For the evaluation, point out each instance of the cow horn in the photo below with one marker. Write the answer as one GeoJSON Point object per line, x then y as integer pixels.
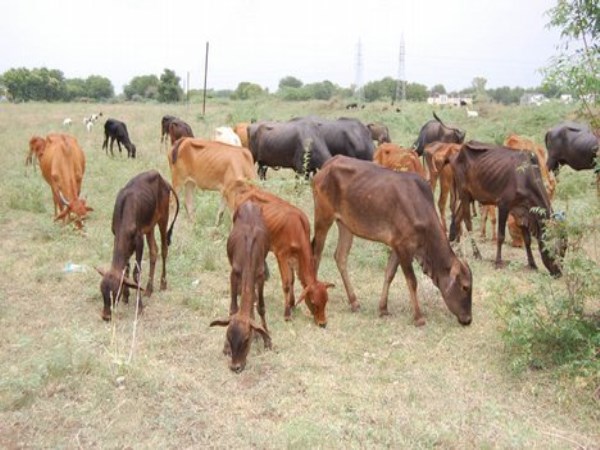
{"type": "Point", "coordinates": [62, 198]}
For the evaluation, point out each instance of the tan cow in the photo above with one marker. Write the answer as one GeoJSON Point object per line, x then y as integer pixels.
{"type": "Point", "coordinates": [62, 163]}
{"type": "Point", "coordinates": [397, 158]}
{"type": "Point", "coordinates": [208, 165]}
{"type": "Point", "coordinates": [241, 129]}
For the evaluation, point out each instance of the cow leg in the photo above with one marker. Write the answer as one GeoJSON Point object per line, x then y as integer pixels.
{"type": "Point", "coordinates": [164, 251]}
{"type": "Point", "coordinates": [153, 251]}
{"type": "Point", "coordinates": [323, 222]}
{"type": "Point", "coordinates": [502, 217]}
{"type": "Point", "coordinates": [341, 258]}
{"type": "Point", "coordinates": [112, 141]}
{"type": "Point", "coordinates": [493, 223]}
{"type": "Point", "coordinates": [222, 206]}
{"type": "Point", "coordinates": [469, 227]}
{"type": "Point", "coordinates": [137, 270]}
{"type": "Point", "coordinates": [189, 199]}
{"type": "Point", "coordinates": [119, 145]}
{"type": "Point", "coordinates": [286, 284]}
{"type": "Point", "coordinates": [411, 282]}
{"type": "Point", "coordinates": [443, 199]}
{"type": "Point", "coordinates": [390, 273]}
{"type": "Point", "coordinates": [527, 242]}
{"type": "Point", "coordinates": [483, 220]}
{"type": "Point", "coordinates": [260, 284]}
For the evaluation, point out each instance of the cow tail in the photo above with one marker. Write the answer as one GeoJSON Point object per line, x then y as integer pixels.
{"type": "Point", "coordinates": [175, 151]}
{"type": "Point", "coordinates": [170, 231]}
{"type": "Point", "coordinates": [438, 119]}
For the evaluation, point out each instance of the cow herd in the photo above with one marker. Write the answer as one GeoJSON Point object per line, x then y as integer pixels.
{"type": "Point", "coordinates": [352, 186]}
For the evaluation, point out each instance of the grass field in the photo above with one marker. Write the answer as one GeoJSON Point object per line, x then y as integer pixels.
{"type": "Point", "coordinates": [69, 380]}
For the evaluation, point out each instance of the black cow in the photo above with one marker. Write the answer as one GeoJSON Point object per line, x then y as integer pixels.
{"type": "Point", "coordinates": [164, 127]}
{"type": "Point", "coordinates": [379, 133]}
{"type": "Point", "coordinates": [141, 205]}
{"type": "Point", "coordinates": [512, 181]}
{"type": "Point", "coordinates": [345, 136]}
{"type": "Point", "coordinates": [572, 144]}
{"type": "Point", "coordinates": [435, 130]}
{"type": "Point", "coordinates": [285, 144]}
{"type": "Point", "coordinates": [117, 130]}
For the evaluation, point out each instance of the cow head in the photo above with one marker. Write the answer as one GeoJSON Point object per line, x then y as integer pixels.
{"type": "Point", "coordinates": [240, 329]}
{"type": "Point", "coordinates": [113, 286]}
{"type": "Point", "coordinates": [131, 150]}
{"type": "Point", "coordinates": [457, 291]}
{"type": "Point", "coordinates": [554, 247]}
{"type": "Point", "coordinates": [316, 298]}
{"type": "Point", "coordinates": [37, 146]}
{"type": "Point", "coordinates": [76, 207]}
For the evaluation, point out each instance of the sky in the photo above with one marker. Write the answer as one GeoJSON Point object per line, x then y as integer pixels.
{"type": "Point", "coordinates": [447, 42]}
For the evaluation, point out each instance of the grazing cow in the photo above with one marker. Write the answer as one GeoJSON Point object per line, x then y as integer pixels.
{"type": "Point", "coordinates": [289, 232]}
{"type": "Point", "coordinates": [140, 206]}
{"type": "Point", "coordinates": [208, 165]}
{"type": "Point", "coordinates": [247, 248]}
{"type": "Point", "coordinates": [117, 130]}
{"type": "Point", "coordinates": [512, 181]}
{"type": "Point", "coordinates": [397, 209]}
{"type": "Point", "coordinates": [164, 127]}
{"type": "Point", "coordinates": [226, 135]}
{"type": "Point", "coordinates": [399, 159]}
{"type": "Point", "coordinates": [572, 144]}
{"type": "Point", "coordinates": [435, 130]}
{"type": "Point", "coordinates": [62, 163]}
{"type": "Point", "coordinates": [435, 155]}
{"type": "Point", "coordinates": [296, 144]}
{"type": "Point", "coordinates": [352, 106]}
{"type": "Point", "coordinates": [344, 136]}
{"type": "Point", "coordinates": [471, 113]}
{"type": "Point", "coordinates": [241, 129]}
{"type": "Point", "coordinates": [178, 129]}
{"type": "Point", "coordinates": [379, 133]}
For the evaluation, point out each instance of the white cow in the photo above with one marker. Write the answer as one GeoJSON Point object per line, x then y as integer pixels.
{"type": "Point", "coordinates": [226, 135]}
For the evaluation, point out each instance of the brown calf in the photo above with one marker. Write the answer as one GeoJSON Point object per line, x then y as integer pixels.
{"type": "Point", "coordinates": [140, 206]}
{"type": "Point", "coordinates": [247, 248]}
{"type": "Point", "coordinates": [208, 165]}
{"type": "Point", "coordinates": [399, 159]}
{"type": "Point", "coordinates": [289, 232]}
{"type": "Point", "coordinates": [397, 209]}
{"type": "Point", "coordinates": [62, 163]}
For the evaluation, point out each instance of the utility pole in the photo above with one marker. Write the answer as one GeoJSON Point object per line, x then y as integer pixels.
{"type": "Point", "coordinates": [205, 76]}
{"type": "Point", "coordinates": [359, 72]}
{"type": "Point", "coordinates": [401, 82]}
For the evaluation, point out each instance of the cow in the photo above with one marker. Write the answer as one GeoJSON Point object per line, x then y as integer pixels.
{"type": "Point", "coordinates": [435, 130]}
{"type": "Point", "coordinates": [226, 135]}
{"type": "Point", "coordinates": [399, 159]}
{"type": "Point", "coordinates": [140, 206]}
{"type": "Point", "coordinates": [379, 133]}
{"type": "Point", "coordinates": [62, 163]}
{"type": "Point", "coordinates": [572, 144]}
{"type": "Point", "coordinates": [512, 181]}
{"type": "Point", "coordinates": [208, 165]}
{"type": "Point", "coordinates": [296, 144]}
{"type": "Point", "coordinates": [397, 209]}
{"type": "Point", "coordinates": [241, 129]}
{"type": "Point", "coordinates": [164, 127]}
{"type": "Point", "coordinates": [289, 232]}
{"type": "Point", "coordinates": [178, 129]}
{"type": "Point", "coordinates": [117, 130]}
{"type": "Point", "coordinates": [247, 247]}
{"type": "Point", "coordinates": [435, 154]}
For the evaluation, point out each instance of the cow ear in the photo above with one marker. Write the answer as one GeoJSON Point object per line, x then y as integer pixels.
{"type": "Point", "coordinates": [258, 328]}
{"type": "Point", "coordinates": [62, 214]}
{"type": "Point", "coordinates": [132, 284]}
{"type": "Point", "coordinates": [89, 208]}
{"type": "Point", "coordinates": [220, 323]}
{"type": "Point", "coordinates": [101, 271]}
{"type": "Point", "coordinates": [329, 285]}
{"type": "Point", "coordinates": [302, 296]}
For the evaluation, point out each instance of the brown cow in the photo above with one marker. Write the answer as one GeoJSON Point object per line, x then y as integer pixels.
{"type": "Point", "coordinates": [435, 155]}
{"type": "Point", "coordinates": [247, 248]}
{"type": "Point", "coordinates": [208, 165]}
{"type": "Point", "coordinates": [289, 232]}
{"type": "Point", "coordinates": [399, 159]}
{"type": "Point", "coordinates": [62, 163]}
{"type": "Point", "coordinates": [379, 132]}
{"type": "Point", "coordinates": [241, 129]}
{"type": "Point", "coordinates": [512, 181]}
{"type": "Point", "coordinates": [178, 129]}
{"type": "Point", "coordinates": [140, 206]}
{"type": "Point", "coordinates": [397, 209]}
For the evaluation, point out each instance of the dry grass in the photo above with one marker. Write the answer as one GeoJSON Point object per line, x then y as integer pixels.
{"type": "Point", "coordinates": [362, 382]}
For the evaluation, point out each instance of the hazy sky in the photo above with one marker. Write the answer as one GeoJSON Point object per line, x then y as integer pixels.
{"type": "Point", "coordinates": [261, 41]}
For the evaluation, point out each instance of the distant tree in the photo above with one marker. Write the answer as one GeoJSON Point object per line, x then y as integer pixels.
{"type": "Point", "coordinates": [438, 89]}
{"type": "Point", "coordinates": [75, 88]}
{"type": "Point", "coordinates": [144, 86]}
{"type": "Point", "coordinates": [294, 93]}
{"type": "Point", "coordinates": [291, 82]}
{"type": "Point", "coordinates": [376, 90]}
{"type": "Point", "coordinates": [99, 88]}
{"type": "Point", "coordinates": [478, 85]}
{"type": "Point", "coordinates": [169, 90]}
{"type": "Point", "coordinates": [321, 91]}
{"type": "Point", "coordinates": [506, 95]}
{"type": "Point", "coordinates": [36, 84]}
{"type": "Point", "coordinates": [246, 90]}
{"type": "Point", "coordinates": [416, 92]}
{"type": "Point", "coordinates": [576, 67]}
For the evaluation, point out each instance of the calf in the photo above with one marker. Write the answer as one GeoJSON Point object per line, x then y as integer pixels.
{"type": "Point", "coordinates": [164, 127]}
{"type": "Point", "coordinates": [62, 163]}
{"type": "Point", "coordinates": [247, 248]}
{"type": "Point", "coordinates": [398, 159]}
{"type": "Point", "coordinates": [117, 130]}
{"type": "Point", "coordinates": [208, 165]}
{"type": "Point", "coordinates": [178, 129]}
{"type": "Point", "coordinates": [512, 181]}
{"type": "Point", "coordinates": [397, 209]}
{"type": "Point", "coordinates": [289, 232]}
{"type": "Point", "coordinates": [140, 206]}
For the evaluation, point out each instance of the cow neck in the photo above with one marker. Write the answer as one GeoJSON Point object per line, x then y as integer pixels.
{"type": "Point", "coordinates": [435, 259]}
{"type": "Point", "coordinates": [306, 267]}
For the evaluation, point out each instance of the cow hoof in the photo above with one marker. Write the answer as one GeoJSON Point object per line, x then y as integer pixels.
{"type": "Point", "coordinates": [420, 322]}
{"type": "Point", "coordinates": [355, 306]}
{"type": "Point", "coordinates": [105, 317]}
{"type": "Point", "coordinates": [499, 264]}
{"type": "Point", "coordinates": [384, 312]}
{"type": "Point", "coordinates": [163, 286]}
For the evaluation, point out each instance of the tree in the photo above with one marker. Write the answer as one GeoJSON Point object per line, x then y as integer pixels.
{"type": "Point", "coordinates": [246, 90]}
{"type": "Point", "coordinates": [416, 92]}
{"type": "Point", "coordinates": [438, 89]}
{"type": "Point", "coordinates": [144, 86]}
{"type": "Point", "coordinates": [99, 88]}
{"type": "Point", "coordinates": [478, 85]}
{"type": "Point", "coordinates": [37, 84]}
{"type": "Point", "coordinates": [291, 82]}
{"type": "Point", "coordinates": [576, 67]}
{"type": "Point", "coordinates": [169, 90]}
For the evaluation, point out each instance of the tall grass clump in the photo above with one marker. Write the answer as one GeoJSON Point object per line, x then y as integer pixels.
{"type": "Point", "coordinates": [556, 325]}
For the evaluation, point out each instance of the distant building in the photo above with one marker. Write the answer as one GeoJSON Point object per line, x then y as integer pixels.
{"type": "Point", "coordinates": [444, 99]}
{"type": "Point", "coordinates": [566, 98]}
{"type": "Point", "coordinates": [532, 99]}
